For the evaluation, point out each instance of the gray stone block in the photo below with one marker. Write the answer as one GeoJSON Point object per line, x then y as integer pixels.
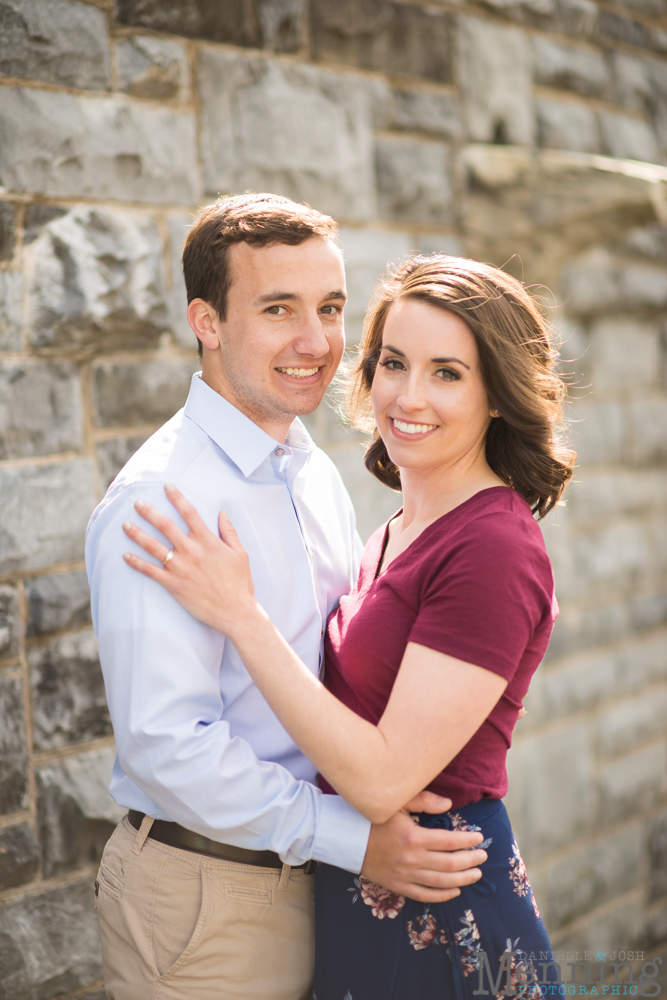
{"type": "Point", "coordinates": [584, 625]}
{"type": "Point", "coordinates": [50, 943]}
{"type": "Point", "coordinates": [496, 79]}
{"type": "Point", "coordinates": [367, 253]}
{"type": "Point", "coordinates": [11, 310]}
{"type": "Point", "coordinates": [68, 701]}
{"type": "Point", "coordinates": [10, 625]}
{"type": "Point", "coordinates": [394, 38]}
{"type": "Point", "coordinates": [113, 455]}
{"type": "Point", "coordinates": [597, 284]}
{"type": "Point", "coordinates": [36, 217]}
{"type": "Point", "coordinates": [55, 41]}
{"type": "Point", "coordinates": [578, 18]}
{"type": "Point", "coordinates": [75, 812]}
{"type": "Point", "coordinates": [155, 68]}
{"type": "Point", "coordinates": [540, 13]}
{"type": "Point", "coordinates": [637, 720]}
{"type": "Point", "coordinates": [616, 28]}
{"type": "Point", "coordinates": [57, 602]}
{"type": "Point", "coordinates": [43, 514]}
{"type": "Point", "coordinates": [447, 243]}
{"type": "Point", "coordinates": [13, 747]}
{"type": "Point", "coordinates": [628, 138]}
{"type": "Point", "coordinates": [625, 354]}
{"type": "Point", "coordinates": [19, 856]}
{"type": "Point", "coordinates": [66, 145]}
{"type": "Point", "coordinates": [7, 230]}
{"type": "Point", "coordinates": [147, 393]}
{"type": "Point", "coordinates": [95, 279]}
{"type": "Point", "coordinates": [291, 128]}
{"type": "Point", "coordinates": [40, 409]}
{"type": "Point", "coordinates": [633, 783]}
{"type": "Point", "coordinates": [646, 241]}
{"type": "Point", "coordinates": [648, 428]}
{"type": "Point", "coordinates": [429, 111]}
{"type": "Point", "coordinates": [590, 876]}
{"type": "Point", "coordinates": [178, 226]}
{"type": "Point", "coordinates": [373, 502]}
{"type": "Point", "coordinates": [569, 67]}
{"type": "Point", "coordinates": [657, 853]}
{"type": "Point", "coordinates": [566, 125]}
{"type": "Point", "coordinates": [270, 24]}
{"type": "Point", "coordinates": [413, 179]}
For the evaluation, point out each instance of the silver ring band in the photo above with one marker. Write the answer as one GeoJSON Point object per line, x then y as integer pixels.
{"type": "Point", "coordinates": [169, 556]}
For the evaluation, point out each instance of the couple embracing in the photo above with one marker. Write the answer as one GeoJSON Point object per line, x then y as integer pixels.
{"type": "Point", "coordinates": [312, 739]}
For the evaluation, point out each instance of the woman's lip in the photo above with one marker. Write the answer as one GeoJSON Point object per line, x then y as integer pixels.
{"type": "Point", "coordinates": [404, 436]}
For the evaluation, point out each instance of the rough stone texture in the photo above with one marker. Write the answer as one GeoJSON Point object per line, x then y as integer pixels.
{"type": "Point", "coordinates": [36, 217]}
{"type": "Point", "coordinates": [110, 147]}
{"type": "Point", "coordinates": [68, 692]}
{"type": "Point", "coordinates": [49, 943]}
{"type": "Point", "coordinates": [298, 130]}
{"type": "Point", "coordinates": [113, 455]}
{"type": "Point", "coordinates": [413, 181]}
{"type": "Point", "coordinates": [56, 41]}
{"type": "Point", "coordinates": [429, 111]}
{"type": "Point", "coordinates": [273, 24]}
{"type": "Point", "coordinates": [566, 125]}
{"type": "Point", "coordinates": [75, 812]}
{"type": "Point", "coordinates": [178, 302]}
{"type": "Point", "coordinates": [43, 514]}
{"type": "Point", "coordinates": [11, 310]}
{"type": "Point", "coordinates": [496, 70]}
{"type": "Point", "coordinates": [367, 253]}
{"type": "Point", "coordinates": [13, 747]}
{"type": "Point", "coordinates": [19, 856]}
{"type": "Point", "coordinates": [154, 68]}
{"type": "Point", "coordinates": [10, 625]}
{"type": "Point", "coordinates": [7, 230]}
{"type": "Point", "coordinates": [657, 849]}
{"type": "Point", "coordinates": [628, 138]}
{"type": "Point", "coordinates": [57, 601]}
{"type": "Point", "coordinates": [40, 409]}
{"type": "Point", "coordinates": [622, 350]}
{"type": "Point", "coordinates": [569, 67]}
{"type": "Point", "coordinates": [127, 395]}
{"type": "Point", "coordinates": [596, 283]}
{"type": "Point", "coordinates": [394, 38]}
{"type": "Point", "coordinates": [95, 280]}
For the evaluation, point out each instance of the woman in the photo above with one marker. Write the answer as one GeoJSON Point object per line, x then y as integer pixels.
{"type": "Point", "coordinates": [430, 656]}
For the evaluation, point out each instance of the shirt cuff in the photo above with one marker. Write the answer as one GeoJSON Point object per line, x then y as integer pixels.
{"type": "Point", "coordinates": [341, 835]}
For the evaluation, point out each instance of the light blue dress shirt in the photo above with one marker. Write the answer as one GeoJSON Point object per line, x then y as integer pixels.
{"type": "Point", "coordinates": [196, 742]}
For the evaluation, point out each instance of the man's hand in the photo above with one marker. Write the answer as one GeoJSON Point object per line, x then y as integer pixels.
{"type": "Point", "coordinates": [426, 865]}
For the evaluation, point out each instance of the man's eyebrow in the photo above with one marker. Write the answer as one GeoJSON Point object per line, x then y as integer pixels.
{"type": "Point", "coordinates": [279, 296]}
{"type": "Point", "coordinates": [435, 361]}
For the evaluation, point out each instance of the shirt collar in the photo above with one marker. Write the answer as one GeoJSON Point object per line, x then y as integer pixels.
{"type": "Point", "coordinates": [239, 437]}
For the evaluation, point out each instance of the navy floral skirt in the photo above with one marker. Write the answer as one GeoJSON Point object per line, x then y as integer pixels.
{"type": "Point", "coordinates": [375, 945]}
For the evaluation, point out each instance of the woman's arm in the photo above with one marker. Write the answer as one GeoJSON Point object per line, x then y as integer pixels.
{"type": "Point", "coordinates": [436, 705]}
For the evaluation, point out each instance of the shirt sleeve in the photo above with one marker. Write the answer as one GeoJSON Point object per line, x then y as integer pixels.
{"type": "Point", "coordinates": [484, 602]}
{"type": "Point", "coordinates": [161, 671]}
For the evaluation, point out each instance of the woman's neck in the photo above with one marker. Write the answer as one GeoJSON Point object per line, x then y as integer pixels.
{"type": "Point", "coordinates": [430, 493]}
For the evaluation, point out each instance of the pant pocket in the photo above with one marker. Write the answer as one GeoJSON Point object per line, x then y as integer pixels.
{"type": "Point", "coordinates": [179, 914]}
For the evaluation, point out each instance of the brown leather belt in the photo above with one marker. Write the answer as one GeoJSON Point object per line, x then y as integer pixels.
{"type": "Point", "coordinates": [174, 835]}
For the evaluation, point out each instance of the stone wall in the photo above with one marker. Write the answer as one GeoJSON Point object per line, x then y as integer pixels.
{"type": "Point", "coordinates": [523, 131]}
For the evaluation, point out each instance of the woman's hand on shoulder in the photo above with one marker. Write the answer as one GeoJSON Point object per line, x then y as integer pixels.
{"type": "Point", "coordinates": [209, 575]}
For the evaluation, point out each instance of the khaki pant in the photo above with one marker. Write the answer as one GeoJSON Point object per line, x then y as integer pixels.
{"type": "Point", "coordinates": [180, 926]}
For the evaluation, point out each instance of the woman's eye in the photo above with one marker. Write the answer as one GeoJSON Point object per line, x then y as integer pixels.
{"type": "Point", "coordinates": [393, 364]}
{"type": "Point", "coordinates": [448, 374]}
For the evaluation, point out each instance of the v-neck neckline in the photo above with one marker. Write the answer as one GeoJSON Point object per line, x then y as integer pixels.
{"type": "Point", "coordinates": [377, 575]}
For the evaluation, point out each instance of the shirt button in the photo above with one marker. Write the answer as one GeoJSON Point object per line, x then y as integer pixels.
{"type": "Point", "coordinates": [279, 451]}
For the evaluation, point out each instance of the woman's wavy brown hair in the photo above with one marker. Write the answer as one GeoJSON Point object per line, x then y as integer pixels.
{"type": "Point", "coordinates": [524, 445]}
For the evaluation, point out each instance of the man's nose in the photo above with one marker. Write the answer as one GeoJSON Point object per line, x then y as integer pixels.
{"type": "Point", "coordinates": [311, 339]}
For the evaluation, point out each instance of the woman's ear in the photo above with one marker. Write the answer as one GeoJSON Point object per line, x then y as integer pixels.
{"type": "Point", "coordinates": [203, 320]}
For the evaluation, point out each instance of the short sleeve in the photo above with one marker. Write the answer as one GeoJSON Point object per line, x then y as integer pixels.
{"type": "Point", "coordinates": [485, 601]}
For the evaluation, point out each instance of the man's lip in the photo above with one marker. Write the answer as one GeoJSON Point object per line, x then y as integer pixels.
{"type": "Point", "coordinates": [301, 379]}
{"type": "Point", "coordinates": [407, 436]}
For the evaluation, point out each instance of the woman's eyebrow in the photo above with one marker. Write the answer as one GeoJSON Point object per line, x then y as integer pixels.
{"type": "Point", "coordinates": [435, 361]}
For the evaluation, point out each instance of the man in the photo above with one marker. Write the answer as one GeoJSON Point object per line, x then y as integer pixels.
{"type": "Point", "coordinates": [205, 890]}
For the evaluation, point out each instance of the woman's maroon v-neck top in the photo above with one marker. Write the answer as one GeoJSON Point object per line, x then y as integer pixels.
{"type": "Point", "coordinates": [476, 584]}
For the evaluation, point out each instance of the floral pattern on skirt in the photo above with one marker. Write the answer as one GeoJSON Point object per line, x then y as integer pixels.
{"type": "Point", "coordinates": [394, 948]}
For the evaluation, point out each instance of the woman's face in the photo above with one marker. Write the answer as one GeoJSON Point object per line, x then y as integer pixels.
{"type": "Point", "coordinates": [428, 397]}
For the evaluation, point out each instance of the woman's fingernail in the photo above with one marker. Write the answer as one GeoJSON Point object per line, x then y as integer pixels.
{"type": "Point", "coordinates": [139, 504]}
{"type": "Point", "coordinates": [169, 487]}
{"type": "Point", "coordinates": [126, 556]}
{"type": "Point", "coordinates": [126, 526]}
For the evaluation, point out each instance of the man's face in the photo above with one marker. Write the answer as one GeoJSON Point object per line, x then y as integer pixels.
{"type": "Point", "coordinates": [283, 337]}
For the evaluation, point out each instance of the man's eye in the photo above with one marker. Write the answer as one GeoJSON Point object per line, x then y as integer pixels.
{"type": "Point", "coordinates": [275, 310]}
{"type": "Point", "coordinates": [330, 310]}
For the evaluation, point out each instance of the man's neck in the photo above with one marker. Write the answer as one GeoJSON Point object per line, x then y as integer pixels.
{"type": "Point", "coordinates": [277, 428]}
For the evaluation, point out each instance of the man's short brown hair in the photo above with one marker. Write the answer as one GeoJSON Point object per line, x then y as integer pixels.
{"type": "Point", "coordinates": [257, 219]}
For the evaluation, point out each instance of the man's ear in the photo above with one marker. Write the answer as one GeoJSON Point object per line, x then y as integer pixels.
{"type": "Point", "coordinates": [203, 318]}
